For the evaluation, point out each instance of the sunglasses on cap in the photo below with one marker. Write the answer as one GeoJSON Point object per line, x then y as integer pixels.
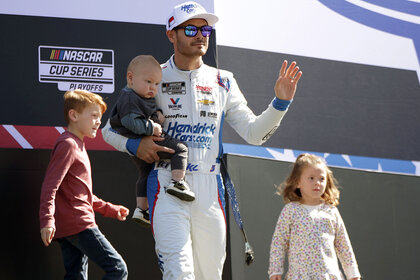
{"type": "Point", "coordinates": [192, 30]}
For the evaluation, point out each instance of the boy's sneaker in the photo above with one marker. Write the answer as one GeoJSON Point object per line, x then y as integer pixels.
{"type": "Point", "coordinates": [142, 217]}
{"type": "Point", "coordinates": [181, 190]}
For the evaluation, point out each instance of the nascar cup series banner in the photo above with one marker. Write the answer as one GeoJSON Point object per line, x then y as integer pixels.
{"type": "Point", "coordinates": [50, 47]}
{"type": "Point", "coordinates": [357, 102]}
{"type": "Point", "coordinates": [77, 68]}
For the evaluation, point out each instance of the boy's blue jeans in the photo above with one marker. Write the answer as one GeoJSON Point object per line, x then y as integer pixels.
{"type": "Point", "coordinates": [92, 244]}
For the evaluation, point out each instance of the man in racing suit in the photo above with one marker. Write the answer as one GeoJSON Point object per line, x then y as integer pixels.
{"type": "Point", "coordinates": [196, 99]}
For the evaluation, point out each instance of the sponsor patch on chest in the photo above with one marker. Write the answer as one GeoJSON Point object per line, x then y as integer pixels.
{"type": "Point", "coordinates": [174, 88]}
{"type": "Point", "coordinates": [203, 89]}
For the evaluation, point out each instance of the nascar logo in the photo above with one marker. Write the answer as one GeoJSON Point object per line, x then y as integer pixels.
{"type": "Point", "coordinates": [72, 55]}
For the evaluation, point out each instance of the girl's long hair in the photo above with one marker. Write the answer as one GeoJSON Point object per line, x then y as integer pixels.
{"type": "Point", "coordinates": [288, 189]}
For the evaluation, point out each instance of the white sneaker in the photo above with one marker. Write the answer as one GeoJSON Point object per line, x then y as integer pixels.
{"type": "Point", "coordinates": [141, 216]}
{"type": "Point", "coordinates": [181, 190]}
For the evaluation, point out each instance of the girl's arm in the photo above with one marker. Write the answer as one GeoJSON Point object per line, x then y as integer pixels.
{"type": "Point", "coordinates": [279, 245]}
{"type": "Point", "coordinates": [344, 250]}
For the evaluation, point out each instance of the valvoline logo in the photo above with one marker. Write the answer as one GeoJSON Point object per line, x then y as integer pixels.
{"type": "Point", "coordinates": [175, 105]}
{"type": "Point", "coordinates": [174, 101]}
{"type": "Point", "coordinates": [398, 17]}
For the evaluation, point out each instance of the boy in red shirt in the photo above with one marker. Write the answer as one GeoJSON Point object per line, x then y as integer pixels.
{"type": "Point", "coordinates": [67, 203]}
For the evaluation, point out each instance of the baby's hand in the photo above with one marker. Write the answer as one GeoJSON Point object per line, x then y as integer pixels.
{"type": "Point", "coordinates": [157, 129]}
{"type": "Point", "coordinates": [123, 213]}
{"type": "Point", "coordinates": [161, 117]}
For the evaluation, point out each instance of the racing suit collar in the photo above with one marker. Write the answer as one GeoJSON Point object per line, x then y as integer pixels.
{"type": "Point", "coordinates": [186, 72]}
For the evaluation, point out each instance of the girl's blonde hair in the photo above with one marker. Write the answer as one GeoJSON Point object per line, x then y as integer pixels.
{"type": "Point", "coordinates": [288, 189]}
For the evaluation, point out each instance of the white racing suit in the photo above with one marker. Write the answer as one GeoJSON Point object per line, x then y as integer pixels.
{"type": "Point", "coordinates": [191, 236]}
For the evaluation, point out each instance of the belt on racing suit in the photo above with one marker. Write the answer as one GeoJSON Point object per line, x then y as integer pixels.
{"type": "Point", "coordinates": [192, 167]}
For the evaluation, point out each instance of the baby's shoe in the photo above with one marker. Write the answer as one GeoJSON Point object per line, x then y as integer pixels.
{"type": "Point", "coordinates": [181, 190]}
{"type": "Point", "coordinates": [141, 216]}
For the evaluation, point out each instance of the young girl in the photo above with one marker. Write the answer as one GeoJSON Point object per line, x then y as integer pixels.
{"type": "Point", "coordinates": [310, 229]}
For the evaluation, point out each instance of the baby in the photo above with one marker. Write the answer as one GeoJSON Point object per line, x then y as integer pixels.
{"type": "Point", "coordinates": [134, 115]}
